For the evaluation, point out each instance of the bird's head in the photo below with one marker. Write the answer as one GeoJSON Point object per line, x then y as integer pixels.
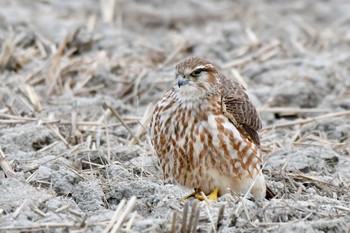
{"type": "Point", "coordinates": [196, 78]}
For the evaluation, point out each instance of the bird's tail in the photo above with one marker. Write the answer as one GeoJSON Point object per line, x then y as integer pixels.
{"type": "Point", "coordinates": [269, 193]}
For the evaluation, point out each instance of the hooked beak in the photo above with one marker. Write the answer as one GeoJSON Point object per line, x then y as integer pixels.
{"type": "Point", "coordinates": [182, 81]}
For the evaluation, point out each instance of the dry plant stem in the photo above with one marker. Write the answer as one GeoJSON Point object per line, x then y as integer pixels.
{"type": "Point", "coordinates": [196, 220]}
{"type": "Point", "coordinates": [193, 218]}
{"type": "Point", "coordinates": [184, 218]}
{"type": "Point", "coordinates": [4, 110]}
{"type": "Point", "coordinates": [206, 203]}
{"type": "Point", "coordinates": [260, 52]}
{"type": "Point", "coordinates": [108, 10]}
{"type": "Point", "coordinates": [53, 66]}
{"type": "Point", "coordinates": [245, 209]}
{"type": "Point", "coordinates": [32, 176]}
{"type": "Point", "coordinates": [48, 147]}
{"type": "Point", "coordinates": [26, 103]}
{"type": "Point", "coordinates": [41, 226]}
{"type": "Point", "coordinates": [190, 223]}
{"type": "Point", "coordinates": [108, 141]}
{"type": "Point", "coordinates": [101, 121]}
{"type": "Point", "coordinates": [36, 210]}
{"type": "Point", "coordinates": [173, 54]}
{"type": "Point", "coordinates": [301, 122]}
{"type": "Point", "coordinates": [81, 84]}
{"type": "Point", "coordinates": [122, 121]}
{"type": "Point", "coordinates": [87, 90]}
{"type": "Point", "coordinates": [292, 110]}
{"type": "Point", "coordinates": [342, 208]}
{"type": "Point", "coordinates": [32, 96]}
{"type": "Point", "coordinates": [50, 160]}
{"type": "Point", "coordinates": [239, 77]}
{"type": "Point", "coordinates": [91, 23]}
{"type": "Point", "coordinates": [141, 128]}
{"type": "Point", "coordinates": [93, 124]}
{"type": "Point", "coordinates": [13, 121]}
{"type": "Point", "coordinates": [173, 223]}
{"type": "Point", "coordinates": [58, 134]}
{"type": "Point", "coordinates": [7, 51]}
{"type": "Point", "coordinates": [115, 216]}
{"type": "Point", "coordinates": [5, 166]}
{"type": "Point", "coordinates": [91, 170]}
{"type": "Point", "coordinates": [129, 206]}
{"type": "Point", "coordinates": [254, 40]}
{"type": "Point", "coordinates": [137, 84]}
{"type": "Point", "coordinates": [62, 208]}
{"type": "Point", "coordinates": [286, 163]}
{"type": "Point", "coordinates": [310, 178]}
{"type": "Point", "coordinates": [306, 27]}
{"type": "Point", "coordinates": [260, 210]}
{"type": "Point", "coordinates": [75, 212]}
{"type": "Point", "coordinates": [246, 194]}
{"type": "Point", "coordinates": [268, 55]}
{"type": "Point", "coordinates": [220, 216]}
{"type": "Point", "coordinates": [73, 121]}
{"type": "Point", "coordinates": [131, 221]}
{"type": "Point", "coordinates": [19, 209]}
{"type": "Point", "coordinates": [93, 164]}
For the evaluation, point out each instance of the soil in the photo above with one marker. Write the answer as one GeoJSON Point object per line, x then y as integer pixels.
{"type": "Point", "coordinates": [78, 80]}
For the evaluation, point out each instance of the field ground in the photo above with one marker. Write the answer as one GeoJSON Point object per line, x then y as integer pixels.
{"type": "Point", "coordinates": [78, 80]}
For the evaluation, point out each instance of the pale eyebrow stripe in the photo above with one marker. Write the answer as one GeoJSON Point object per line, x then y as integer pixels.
{"type": "Point", "coordinates": [199, 67]}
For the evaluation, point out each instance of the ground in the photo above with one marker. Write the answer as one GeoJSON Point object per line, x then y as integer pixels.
{"type": "Point", "coordinates": [79, 80]}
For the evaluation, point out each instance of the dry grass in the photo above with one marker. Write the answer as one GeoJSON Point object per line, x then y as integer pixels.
{"type": "Point", "coordinates": [78, 84]}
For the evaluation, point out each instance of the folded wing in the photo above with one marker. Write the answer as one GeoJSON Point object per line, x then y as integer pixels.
{"type": "Point", "coordinates": [239, 109]}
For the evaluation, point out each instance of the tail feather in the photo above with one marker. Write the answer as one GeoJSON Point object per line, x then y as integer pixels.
{"type": "Point", "coordinates": [269, 193]}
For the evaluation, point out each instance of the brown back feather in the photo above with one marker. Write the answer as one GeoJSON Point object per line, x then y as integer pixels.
{"type": "Point", "coordinates": [239, 109]}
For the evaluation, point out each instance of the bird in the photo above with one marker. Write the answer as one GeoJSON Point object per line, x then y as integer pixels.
{"type": "Point", "coordinates": [204, 131]}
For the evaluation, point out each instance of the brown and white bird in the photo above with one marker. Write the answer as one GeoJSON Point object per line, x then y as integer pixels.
{"type": "Point", "coordinates": [204, 132]}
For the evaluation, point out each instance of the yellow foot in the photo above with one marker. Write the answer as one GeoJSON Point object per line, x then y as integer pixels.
{"type": "Point", "coordinates": [213, 195]}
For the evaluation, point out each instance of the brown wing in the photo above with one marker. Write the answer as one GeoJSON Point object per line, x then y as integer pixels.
{"type": "Point", "coordinates": [239, 109]}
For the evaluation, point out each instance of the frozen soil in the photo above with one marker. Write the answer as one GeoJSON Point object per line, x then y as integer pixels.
{"type": "Point", "coordinates": [69, 69]}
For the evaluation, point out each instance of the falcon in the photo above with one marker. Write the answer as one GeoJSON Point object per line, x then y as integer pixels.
{"type": "Point", "coordinates": [204, 133]}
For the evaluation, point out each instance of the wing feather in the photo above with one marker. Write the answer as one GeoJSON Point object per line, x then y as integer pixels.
{"type": "Point", "coordinates": [239, 109]}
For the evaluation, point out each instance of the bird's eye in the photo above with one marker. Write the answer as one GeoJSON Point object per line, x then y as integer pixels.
{"type": "Point", "coordinates": [196, 72]}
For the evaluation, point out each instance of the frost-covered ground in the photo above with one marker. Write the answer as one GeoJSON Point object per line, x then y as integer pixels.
{"type": "Point", "coordinates": [68, 69]}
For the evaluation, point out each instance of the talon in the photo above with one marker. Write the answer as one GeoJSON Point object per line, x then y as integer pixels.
{"type": "Point", "coordinates": [193, 194]}
{"type": "Point", "coordinates": [213, 195]}
{"type": "Point", "coordinates": [187, 196]}
{"type": "Point", "coordinates": [199, 197]}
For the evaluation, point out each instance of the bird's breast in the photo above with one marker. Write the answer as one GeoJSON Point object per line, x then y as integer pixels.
{"type": "Point", "coordinates": [192, 140]}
